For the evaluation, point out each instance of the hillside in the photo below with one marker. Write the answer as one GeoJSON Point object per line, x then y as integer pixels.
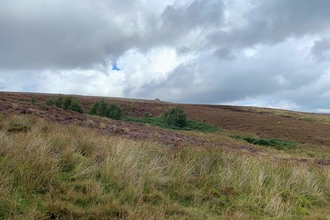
{"type": "Point", "coordinates": [61, 164]}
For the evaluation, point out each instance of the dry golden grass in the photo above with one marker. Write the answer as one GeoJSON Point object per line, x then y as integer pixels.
{"type": "Point", "coordinates": [68, 172]}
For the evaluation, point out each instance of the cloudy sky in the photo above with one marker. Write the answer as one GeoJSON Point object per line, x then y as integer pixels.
{"type": "Point", "coordinates": [272, 53]}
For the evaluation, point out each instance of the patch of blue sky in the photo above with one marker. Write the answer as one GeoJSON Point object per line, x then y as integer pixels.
{"type": "Point", "coordinates": [115, 67]}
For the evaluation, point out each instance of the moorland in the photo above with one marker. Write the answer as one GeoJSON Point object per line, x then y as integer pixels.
{"type": "Point", "coordinates": [226, 162]}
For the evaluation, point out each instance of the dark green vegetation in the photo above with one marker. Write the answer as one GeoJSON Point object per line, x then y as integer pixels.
{"type": "Point", "coordinates": [102, 109]}
{"type": "Point", "coordinates": [17, 128]}
{"type": "Point", "coordinates": [175, 117]}
{"type": "Point", "coordinates": [190, 125]}
{"type": "Point", "coordinates": [65, 103]}
{"type": "Point", "coordinates": [275, 143]}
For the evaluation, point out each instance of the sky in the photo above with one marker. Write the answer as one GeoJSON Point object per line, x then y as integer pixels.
{"type": "Point", "coordinates": [272, 53]}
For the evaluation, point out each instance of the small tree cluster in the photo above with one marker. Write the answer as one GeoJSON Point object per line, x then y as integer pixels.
{"type": "Point", "coordinates": [66, 104]}
{"type": "Point", "coordinates": [175, 117]}
{"type": "Point", "coordinates": [101, 108]}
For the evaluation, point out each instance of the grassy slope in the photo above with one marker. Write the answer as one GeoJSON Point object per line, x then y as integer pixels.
{"type": "Point", "coordinates": [54, 171]}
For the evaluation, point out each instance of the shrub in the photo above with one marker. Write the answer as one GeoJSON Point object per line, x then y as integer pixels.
{"type": "Point", "coordinates": [50, 102]}
{"type": "Point", "coordinates": [33, 99]}
{"type": "Point", "coordinates": [94, 109]}
{"type": "Point", "coordinates": [275, 143]}
{"type": "Point", "coordinates": [59, 101]}
{"type": "Point", "coordinates": [115, 112]}
{"type": "Point", "coordinates": [146, 115]}
{"type": "Point", "coordinates": [101, 109]}
{"type": "Point", "coordinates": [175, 117]}
{"type": "Point", "coordinates": [76, 106]}
{"type": "Point", "coordinates": [192, 125]}
{"type": "Point", "coordinates": [67, 103]}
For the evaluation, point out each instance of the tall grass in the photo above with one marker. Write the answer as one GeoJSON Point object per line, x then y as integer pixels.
{"type": "Point", "coordinates": [58, 172]}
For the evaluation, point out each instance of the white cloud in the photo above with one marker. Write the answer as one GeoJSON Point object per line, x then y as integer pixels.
{"type": "Point", "coordinates": [321, 110]}
{"type": "Point", "coordinates": [281, 80]}
{"type": "Point", "coordinates": [153, 66]}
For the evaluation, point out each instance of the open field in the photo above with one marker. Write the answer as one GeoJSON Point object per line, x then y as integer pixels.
{"type": "Point", "coordinates": [58, 164]}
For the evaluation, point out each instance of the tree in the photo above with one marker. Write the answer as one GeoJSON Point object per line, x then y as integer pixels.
{"type": "Point", "coordinates": [103, 108]}
{"type": "Point", "coordinates": [175, 117]}
{"type": "Point", "coordinates": [67, 103]}
{"type": "Point", "coordinates": [59, 101]}
{"type": "Point", "coordinates": [94, 109]}
{"type": "Point", "coordinates": [50, 102]}
{"type": "Point", "coordinates": [76, 106]}
{"type": "Point", "coordinates": [115, 112]}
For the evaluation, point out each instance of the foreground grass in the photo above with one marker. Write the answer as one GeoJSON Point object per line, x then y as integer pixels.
{"type": "Point", "coordinates": [58, 172]}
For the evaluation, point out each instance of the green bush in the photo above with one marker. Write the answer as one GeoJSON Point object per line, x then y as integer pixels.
{"type": "Point", "coordinates": [146, 115]}
{"type": "Point", "coordinates": [115, 112]}
{"type": "Point", "coordinates": [101, 109]}
{"type": "Point", "coordinates": [192, 125]}
{"type": "Point", "coordinates": [76, 106]}
{"type": "Point", "coordinates": [65, 104]}
{"type": "Point", "coordinates": [59, 101]}
{"type": "Point", "coordinates": [175, 117]}
{"type": "Point", "coordinates": [271, 142]}
{"type": "Point", "coordinates": [50, 102]}
{"type": "Point", "coordinates": [94, 109]}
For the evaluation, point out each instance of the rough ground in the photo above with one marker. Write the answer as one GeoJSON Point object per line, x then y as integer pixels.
{"type": "Point", "coordinates": [266, 123]}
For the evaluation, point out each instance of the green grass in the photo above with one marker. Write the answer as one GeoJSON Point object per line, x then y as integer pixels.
{"type": "Point", "coordinates": [58, 172]}
{"type": "Point", "coordinates": [192, 125]}
{"type": "Point", "coordinates": [271, 142]}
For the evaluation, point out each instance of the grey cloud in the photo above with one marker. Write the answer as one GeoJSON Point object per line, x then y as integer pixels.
{"type": "Point", "coordinates": [182, 50]}
{"type": "Point", "coordinates": [275, 71]}
{"type": "Point", "coordinates": [273, 21]}
{"type": "Point", "coordinates": [224, 54]}
{"type": "Point", "coordinates": [181, 77]}
{"type": "Point", "coordinates": [177, 22]}
{"type": "Point", "coordinates": [80, 34]}
{"type": "Point", "coordinates": [321, 50]}
{"type": "Point", "coordinates": [198, 84]}
{"type": "Point", "coordinates": [62, 34]}
{"type": "Point", "coordinates": [198, 13]}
